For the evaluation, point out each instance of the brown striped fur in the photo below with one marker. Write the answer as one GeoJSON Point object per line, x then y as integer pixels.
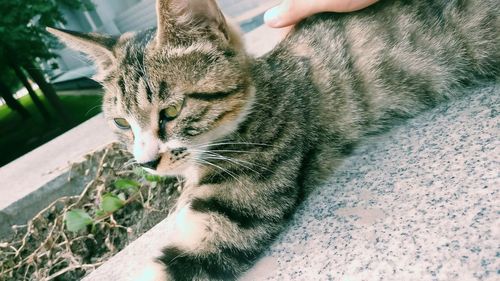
{"type": "Point", "coordinates": [254, 134]}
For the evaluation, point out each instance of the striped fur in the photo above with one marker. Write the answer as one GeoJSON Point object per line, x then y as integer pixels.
{"type": "Point", "coordinates": [254, 135]}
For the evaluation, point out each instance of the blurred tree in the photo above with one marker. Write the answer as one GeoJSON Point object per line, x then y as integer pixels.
{"type": "Point", "coordinates": [34, 97]}
{"type": "Point", "coordinates": [8, 96]}
{"type": "Point", "coordinates": [24, 41]}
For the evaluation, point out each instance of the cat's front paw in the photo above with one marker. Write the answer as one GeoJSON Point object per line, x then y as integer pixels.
{"type": "Point", "coordinates": [152, 272]}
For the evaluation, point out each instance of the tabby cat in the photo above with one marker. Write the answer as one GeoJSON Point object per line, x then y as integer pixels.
{"type": "Point", "coordinates": [252, 135]}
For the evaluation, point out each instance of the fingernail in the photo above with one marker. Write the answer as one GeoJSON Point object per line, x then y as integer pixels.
{"type": "Point", "coordinates": [272, 16]}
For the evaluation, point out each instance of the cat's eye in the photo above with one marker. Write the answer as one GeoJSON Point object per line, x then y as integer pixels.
{"type": "Point", "coordinates": [121, 123]}
{"type": "Point", "coordinates": [171, 112]}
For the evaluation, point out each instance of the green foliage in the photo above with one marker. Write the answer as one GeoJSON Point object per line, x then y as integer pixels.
{"type": "Point", "coordinates": [77, 220]}
{"type": "Point", "coordinates": [153, 178]}
{"type": "Point", "coordinates": [22, 26]}
{"type": "Point", "coordinates": [128, 185]}
{"type": "Point", "coordinates": [23, 39]}
{"type": "Point", "coordinates": [10, 79]}
{"type": "Point", "coordinates": [110, 203]}
{"type": "Point", "coordinates": [100, 214]}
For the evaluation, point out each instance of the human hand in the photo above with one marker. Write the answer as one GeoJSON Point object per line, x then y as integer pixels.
{"type": "Point", "coordinates": [292, 11]}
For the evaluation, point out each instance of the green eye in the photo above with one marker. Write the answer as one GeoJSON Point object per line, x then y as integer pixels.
{"type": "Point", "coordinates": [172, 111]}
{"type": "Point", "coordinates": [121, 123]}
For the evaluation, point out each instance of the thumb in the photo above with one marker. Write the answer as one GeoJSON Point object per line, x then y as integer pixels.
{"type": "Point", "coordinates": [289, 12]}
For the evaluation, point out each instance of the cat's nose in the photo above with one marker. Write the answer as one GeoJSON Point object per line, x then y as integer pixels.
{"type": "Point", "coordinates": [151, 164]}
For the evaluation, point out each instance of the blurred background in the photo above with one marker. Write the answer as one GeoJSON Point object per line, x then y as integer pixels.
{"type": "Point", "coordinates": [45, 88]}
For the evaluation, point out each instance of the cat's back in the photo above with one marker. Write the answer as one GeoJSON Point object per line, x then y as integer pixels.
{"type": "Point", "coordinates": [394, 58]}
{"type": "Point", "coordinates": [395, 28]}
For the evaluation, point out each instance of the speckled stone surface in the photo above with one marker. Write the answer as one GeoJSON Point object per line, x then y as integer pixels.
{"type": "Point", "coordinates": [420, 202]}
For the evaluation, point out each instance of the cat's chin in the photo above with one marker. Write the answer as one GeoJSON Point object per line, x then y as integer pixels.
{"type": "Point", "coordinates": [178, 171]}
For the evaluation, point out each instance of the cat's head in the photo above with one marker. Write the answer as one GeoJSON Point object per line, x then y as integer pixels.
{"type": "Point", "coordinates": [171, 91]}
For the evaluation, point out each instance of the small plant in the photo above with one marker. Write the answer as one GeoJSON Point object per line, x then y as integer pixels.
{"type": "Point", "coordinates": [76, 234]}
{"type": "Point", "coordinates": [125, 192]}
{"type": "Point", "coordinates": [78, 219]}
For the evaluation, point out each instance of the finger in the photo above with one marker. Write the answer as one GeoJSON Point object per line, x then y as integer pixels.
{"type": "Point", "coordinates": [291, 11]}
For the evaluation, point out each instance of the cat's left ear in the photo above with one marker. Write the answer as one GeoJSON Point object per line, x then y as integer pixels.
{"type": "Point", "coordinates": [98, 46]}
{"type": "Point", "coordinates": [180, 12]}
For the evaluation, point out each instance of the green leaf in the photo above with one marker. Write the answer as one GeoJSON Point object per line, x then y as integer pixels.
{"type": "Point", "coordinates": [110, 203]}
{"type": "Point", "coordinates": [153, 178]}
{"type": "Point", "coordinates": [126, 184]}
{"type": "Point", "coordinates": [77, 220]}
{"type": "Point", "coordinates": [99, 213]}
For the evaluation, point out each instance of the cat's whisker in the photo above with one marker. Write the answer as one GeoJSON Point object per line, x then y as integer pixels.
{"type": "Point", "coordinates": [179, 178]}
{"type": "Point", "coordinates": [235, 143]}
{"type": "Point", "coordinates": [231, 161]}
{"type": "Point", "coordinates": [222, 169]}
{"type": "Point", "coordinates": [129, 163]}
{"type": "Point", "coordinates": [213, 155]}
{"type": "Point", "coordinates": [233, 151]}
{"type": "Point", "coordinates": [246, 162]}
{"type": "Point", "coordinates": [251, 163]}
{"type": "Point", "coordinates": [203, 164]}
{"type": "Point", "coordinates": [209, 142]}
{"type": "Point", "coordinates": [224, 151]}
{"type": "Point", "coordinates": [92, 108]}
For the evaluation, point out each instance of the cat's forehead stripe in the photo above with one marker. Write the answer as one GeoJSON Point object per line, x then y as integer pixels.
{"type": "Point", "coordinates": [144, 93]}
{"type": "Point", "coordinates": [128, 88]}
{"type": "Point", "coordinates": [121, 84]}
{"type": "Point", "coordinates": [163, 91]}
{"type": "Point", "coordinates": [149, 92]}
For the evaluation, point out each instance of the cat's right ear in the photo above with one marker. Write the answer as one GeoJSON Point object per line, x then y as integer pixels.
{"type": "Point", "coordinates": [97, 46]}
{"type": "Point", "coordinates": [205, 13]}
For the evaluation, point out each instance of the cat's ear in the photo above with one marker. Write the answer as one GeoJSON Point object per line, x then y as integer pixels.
{"type": "Point", "coordinates": [99, 47]}
{"type": "Point", "coordinates": [178, 12]}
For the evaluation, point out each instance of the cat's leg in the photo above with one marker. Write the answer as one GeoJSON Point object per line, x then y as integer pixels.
{"type": "Point", "coordinates": [319, 165]}
{"type": "Point", "coordinates": [216, 233]}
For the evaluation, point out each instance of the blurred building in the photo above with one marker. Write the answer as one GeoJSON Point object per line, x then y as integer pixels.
{"type": "Point", "coordinates": [119, 16]}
